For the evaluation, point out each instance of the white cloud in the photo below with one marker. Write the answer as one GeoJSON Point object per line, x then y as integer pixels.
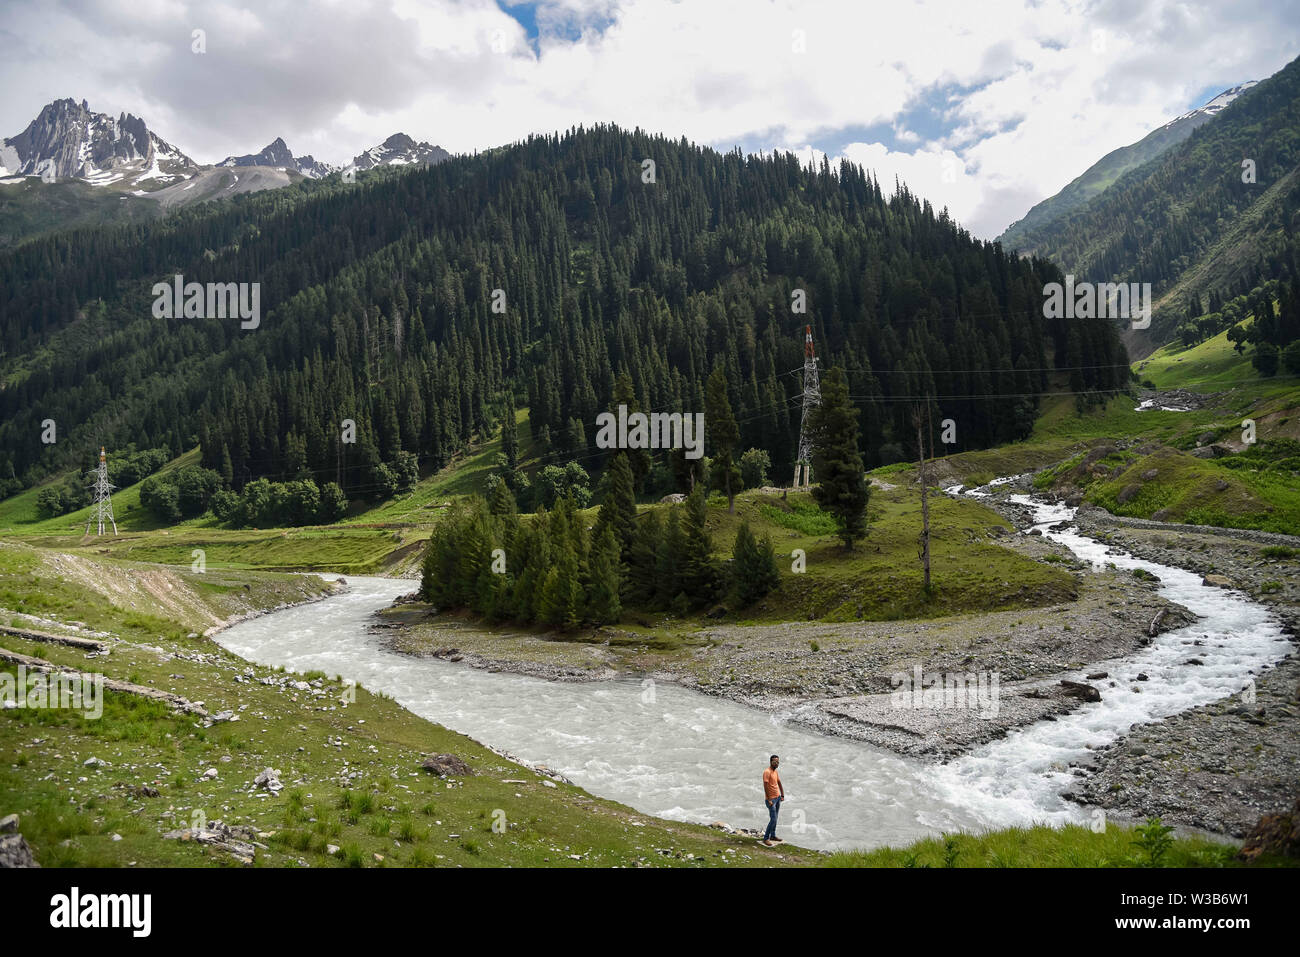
{"type": "Point", "coordinates": [1022, 101]}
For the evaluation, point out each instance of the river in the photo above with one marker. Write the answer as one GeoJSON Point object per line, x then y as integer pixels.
{"type": "Point", "coordinates": [675, 753]}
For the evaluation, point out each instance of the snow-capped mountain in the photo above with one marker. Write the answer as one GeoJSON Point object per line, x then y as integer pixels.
{"type": "Point", "coordinates": [400, 150]}
{"type": "Point", "coordinates": [278, 156]}
{"type": "Point", "coordinates": [1215, 105]}
{"type": "Point", "coordinates": [67, 140]}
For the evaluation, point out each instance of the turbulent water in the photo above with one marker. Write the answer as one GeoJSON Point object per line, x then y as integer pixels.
{"type": "Point", "coordinates": [679, 754]}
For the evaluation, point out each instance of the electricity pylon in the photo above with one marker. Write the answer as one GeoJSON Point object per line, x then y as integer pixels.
{"type": "Point", "coordinates": [812, 397]}
{"type": "Point", "coordinates": [101, 507]}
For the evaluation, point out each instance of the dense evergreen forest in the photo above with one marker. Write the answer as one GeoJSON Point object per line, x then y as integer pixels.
{"type": "Point", "coordinates": [425, 305]}
{"type": "Point", "coordinates": [1235, 181]}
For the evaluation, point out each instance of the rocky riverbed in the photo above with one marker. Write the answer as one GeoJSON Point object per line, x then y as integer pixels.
{"type": "Point", "coordinates": [1222, 765]}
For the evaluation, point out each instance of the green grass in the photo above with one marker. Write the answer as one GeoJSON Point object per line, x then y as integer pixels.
{"type": "Point", "coordinates": [32, 208]}
{"type": "Point", "coordinates": [881, 578]}
{"type": "Point", "coordinates": [1210, 365]}
{"type": "Point", "coordinates": [1042, 846]}
{"type": "Point", "coordinates": [1240, 491]}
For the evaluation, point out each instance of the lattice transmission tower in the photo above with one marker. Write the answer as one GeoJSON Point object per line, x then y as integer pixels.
{"type": "Point", "coordinates": [101, 506]}
{"type": "Point", "coordinates": [812, 397]}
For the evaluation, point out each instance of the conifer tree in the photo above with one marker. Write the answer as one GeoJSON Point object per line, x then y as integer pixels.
{"type": "Point", "coordinates": [700, 572]}
{"type": "Point", "coordinates": [842, 488]}
{"type": "Point", "coordinates": [724, 434]}
{"type": "Point", "coordinates": [753, 567]}
{"type": "Point", "coordinates": [618, 510]}
{"type": "Point", "coordinates": [642, 572]}
{"type": "Point", "coordinates": [603, 604]}
{"type": "Point", "coordinates": [560, 603]}
{"type": "Point", "coordinates": [669, 573]}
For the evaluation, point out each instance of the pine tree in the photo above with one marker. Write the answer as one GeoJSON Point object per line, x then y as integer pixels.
{"type": "Point", "coordinates": [606, 576]}
{"type": "Point", "coordinates": [618, 510]}
{"type": "Point", "coordinates": [724, 434]}
{"type": "Point", "coordinates": [753, 567]}
{"type": "Point", "coordinates": [510, 438]}
{"type": "Point", "coordinates": [501, 501]}
{"type": "Point", "coordinates": [560, 604]}
{"type": "Point", "coordinates": [669, 573]}
{"type": "Point", "coordinates": [642, 573]}
{"type": "Point", "coordinates": [700, 572]}
{"type": "Point", "coordinates": [842, 488]}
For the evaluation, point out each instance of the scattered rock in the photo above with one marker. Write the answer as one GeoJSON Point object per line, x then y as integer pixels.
{"type": "Point", "coordinates": [9, 824]}
{"type": "Point", "coordinates": [236, 840]}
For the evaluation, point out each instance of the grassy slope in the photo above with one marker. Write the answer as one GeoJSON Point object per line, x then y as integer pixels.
{"type": "Point", "coordinates": [881, 579]}
{"type": "Point", "coordinates": [32, 208]}
{"type": "Point", "coordinates": [1184, 488]}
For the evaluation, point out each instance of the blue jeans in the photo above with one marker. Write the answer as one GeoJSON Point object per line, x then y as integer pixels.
{"type": "Point", "coordinates": [773, 808]}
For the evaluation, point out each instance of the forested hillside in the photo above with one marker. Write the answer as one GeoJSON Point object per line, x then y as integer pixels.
{"type": "Point", "coordinates": [1196, 220]}
{"type": "Point", "coordinates": [377, 305]}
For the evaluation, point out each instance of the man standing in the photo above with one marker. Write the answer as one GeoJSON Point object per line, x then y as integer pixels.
{"type": "Point", "coordinates": [773, 795]}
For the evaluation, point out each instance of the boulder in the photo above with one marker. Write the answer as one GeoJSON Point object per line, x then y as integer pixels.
{"type": "Point", "coordinates": [1128, 493]}
{"type": "Point", "coordinates": [1218, 581]}
{"type": "Point", "coordinates": [447, 765]}
{"type": "Point", "coordinates": [1274, 834]}
{"type": "Point", "coordinates": [1080, 690]}
{"type": "Point", "coordinates": [269, 778]}
{"type": "Point", "coordinates": [14, 852]}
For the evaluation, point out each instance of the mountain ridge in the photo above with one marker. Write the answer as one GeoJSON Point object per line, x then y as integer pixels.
{"type": "Point", "coordinates": [1097, 178]}
{"type": "Point", "coordinates": [67, 140]}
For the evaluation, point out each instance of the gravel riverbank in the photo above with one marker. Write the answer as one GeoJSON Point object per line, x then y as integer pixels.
{"type": "Point", "coordinates": [1222, 765]}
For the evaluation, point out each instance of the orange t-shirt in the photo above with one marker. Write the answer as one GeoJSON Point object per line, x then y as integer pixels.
{"type": "Point", "coordinates": [771, 784]}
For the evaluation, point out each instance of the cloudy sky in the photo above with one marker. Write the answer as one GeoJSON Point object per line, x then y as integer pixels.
{"type": "Point", "coordinates": [985, 106]}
